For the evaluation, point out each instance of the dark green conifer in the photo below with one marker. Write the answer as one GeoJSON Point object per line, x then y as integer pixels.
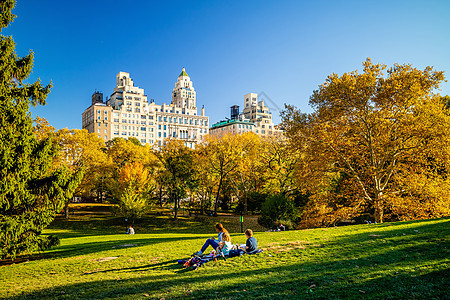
{"type": "Point", "coordinates": [32, 190]}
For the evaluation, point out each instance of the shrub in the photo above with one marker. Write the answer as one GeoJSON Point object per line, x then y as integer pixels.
{"type": "Point", "coordinates": [277, 208]}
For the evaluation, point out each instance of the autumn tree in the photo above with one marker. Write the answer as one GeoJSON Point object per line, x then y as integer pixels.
{"type": "Point", "coordinates": [247, 176]}
{"type": "Point", "coordinates": [204, 175]}
{"type": "Point", "coordinates": [223, 155]}
{"type": "Point", "coordinates": [279, 160]}
{"type": "Point", "coordinates": [29, 187]}
{"type": "Point", "coordinates": [123, 151]}
{"type": "Point", "coordinates": [81, 149]}
{"type": "Point", "coordinates": [134, 188]}
{"type": "Point", "coordinates": [371, 138]}
{"type": "Point", "coordinates": [42, 128]}
{"type": "Point", "coordinates": [177, 161]}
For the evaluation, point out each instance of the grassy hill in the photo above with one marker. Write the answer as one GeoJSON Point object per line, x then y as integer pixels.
{"type": "Point", "coordinates": [407, 260]}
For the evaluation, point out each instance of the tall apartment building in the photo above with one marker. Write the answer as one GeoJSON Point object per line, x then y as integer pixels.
{"type": "Point", "coordinates": [255, 117]}
{"type": "Point", "coordinates": [127, 113]}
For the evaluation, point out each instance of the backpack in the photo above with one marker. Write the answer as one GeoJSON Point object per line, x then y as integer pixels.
{"type": "Point", "coordinates": [234, 253]}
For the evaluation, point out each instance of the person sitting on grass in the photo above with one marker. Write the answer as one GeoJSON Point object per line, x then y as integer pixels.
{"type": "Point", "coordinates": [130, 230]}
{"type": "Point", "coordinates": [212, 242]}
{"type": "Point", "coordinates": [251, 245]}
{"type": "Point", "coordinates": [225, 245]}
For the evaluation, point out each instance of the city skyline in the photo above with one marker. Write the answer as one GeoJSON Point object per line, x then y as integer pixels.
{"type": "Point", "coordinates": [229, 49]}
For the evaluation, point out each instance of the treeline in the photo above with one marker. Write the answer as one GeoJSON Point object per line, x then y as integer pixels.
{"type": "Point", "coordinates": [232, 172]}
{"type": "Point", "coordinates": [375, 148]}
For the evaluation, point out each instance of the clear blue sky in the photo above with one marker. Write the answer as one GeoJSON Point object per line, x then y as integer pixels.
{"type": "Point", "coordinates": [229, 48]}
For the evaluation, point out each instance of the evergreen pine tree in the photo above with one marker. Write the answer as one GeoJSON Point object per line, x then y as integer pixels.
{"type": "Point", "coordinates": [31, 190]}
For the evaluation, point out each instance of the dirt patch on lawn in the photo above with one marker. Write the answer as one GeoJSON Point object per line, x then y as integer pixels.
{"type": "Point", "coordinates": [285, 247]}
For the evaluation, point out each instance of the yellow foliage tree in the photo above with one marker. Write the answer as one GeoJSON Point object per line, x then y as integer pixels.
{"type": "Point", "coordinates": [81, 148]}
{"type": "Point", "coordinates": [176, 171]}
{"type": "Point", "coordinates": [134, 188]}
{"type": "Point", "coordinates": [223, 155]}
{"type": "Point", "coordinates": [369, 137]}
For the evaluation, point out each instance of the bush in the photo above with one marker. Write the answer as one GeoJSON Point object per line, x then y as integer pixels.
{"type": "Point", "coordinates": [277, 208]}
{"type": "Point", "coordinates": [255, 201]}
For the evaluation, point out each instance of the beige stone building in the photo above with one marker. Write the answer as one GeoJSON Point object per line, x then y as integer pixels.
{"type": "Point", "coordinates": [127, 113]}
{"type": "Point", "coordinates": [256, 117]}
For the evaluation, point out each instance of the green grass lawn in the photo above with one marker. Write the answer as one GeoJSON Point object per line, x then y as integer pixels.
{"type": "Point", "coordinates": [404, 260]}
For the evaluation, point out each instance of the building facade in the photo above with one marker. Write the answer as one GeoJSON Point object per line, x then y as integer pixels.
{"type": "Point", "coordinates": [127, 113]}
{"type": "Point", "coordinates": [256, 117]}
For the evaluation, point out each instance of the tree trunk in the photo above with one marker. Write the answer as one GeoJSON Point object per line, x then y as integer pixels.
{"type": "Point", "coordinates": [160, 197]}
{"type": "Point", "coordinates": [66, 210]}
{"type": "Point", "coordinates": [216, 204]}
{"type": "Point", "coordinates": [202, 204]}
{"type": "Point", "coordinates": [379, 212]}
{"type": "Point", "coordinates": [175, 210]}
{"type": "Point", "coordinates": [245, 204]}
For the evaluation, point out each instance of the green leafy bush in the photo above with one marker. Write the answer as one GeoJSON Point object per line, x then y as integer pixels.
{"type": "Point", "coordinates": [277, 208]}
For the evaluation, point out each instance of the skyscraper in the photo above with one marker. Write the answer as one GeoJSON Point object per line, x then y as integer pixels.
{"type": "Point", "coordinates": [127, 113]}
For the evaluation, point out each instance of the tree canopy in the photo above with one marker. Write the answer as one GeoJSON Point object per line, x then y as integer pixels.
{"type": "Point", "coordinates": [375, 141]}
{"type": "Point", "coordinates": [31, 190]}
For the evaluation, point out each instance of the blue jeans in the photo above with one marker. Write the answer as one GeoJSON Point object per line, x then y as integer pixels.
{"type": "Point", "coordinates": [209, 242]}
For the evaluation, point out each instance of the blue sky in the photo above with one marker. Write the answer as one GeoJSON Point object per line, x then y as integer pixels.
{"type": "Point", "coordinates": [229, 48]}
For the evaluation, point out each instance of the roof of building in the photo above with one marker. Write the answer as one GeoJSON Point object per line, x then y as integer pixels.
{"type": "Point", "coordinates": [230, 122]}
{"type": "Point", "coordinates": [183, 73]}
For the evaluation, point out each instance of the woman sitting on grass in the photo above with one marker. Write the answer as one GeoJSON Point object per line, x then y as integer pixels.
{"type": "Point", "coordinates": [225, 245]}
{"type": "Point", "coordinates": [212, 242]}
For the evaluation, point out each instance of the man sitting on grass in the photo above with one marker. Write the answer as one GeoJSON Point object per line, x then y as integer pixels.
{"type": "Point", "coordinates": [251, 246]}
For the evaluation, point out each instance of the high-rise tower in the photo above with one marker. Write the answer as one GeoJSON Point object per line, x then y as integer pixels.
{"type": "Point", "coordinates": [183, 95]}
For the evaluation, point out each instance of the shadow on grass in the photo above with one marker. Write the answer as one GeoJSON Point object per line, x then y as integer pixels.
{"type": "Point", "coordinates": [99, 246]}
{"type": "Point", "coordinates": [387, 272]}
{"type": "Point", "coordinates": [291, 282]}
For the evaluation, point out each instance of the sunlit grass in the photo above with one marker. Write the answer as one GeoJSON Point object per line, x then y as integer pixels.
{"type": "Point", "coordinates": [408, 260]}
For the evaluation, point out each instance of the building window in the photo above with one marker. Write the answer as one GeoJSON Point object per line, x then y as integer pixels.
{"type": "Point", "coordinates": [159, 127]}
{"type": "Point", "coordinates": [159, 134]}
{"type": "Point", "coordinates": [165, 127]}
